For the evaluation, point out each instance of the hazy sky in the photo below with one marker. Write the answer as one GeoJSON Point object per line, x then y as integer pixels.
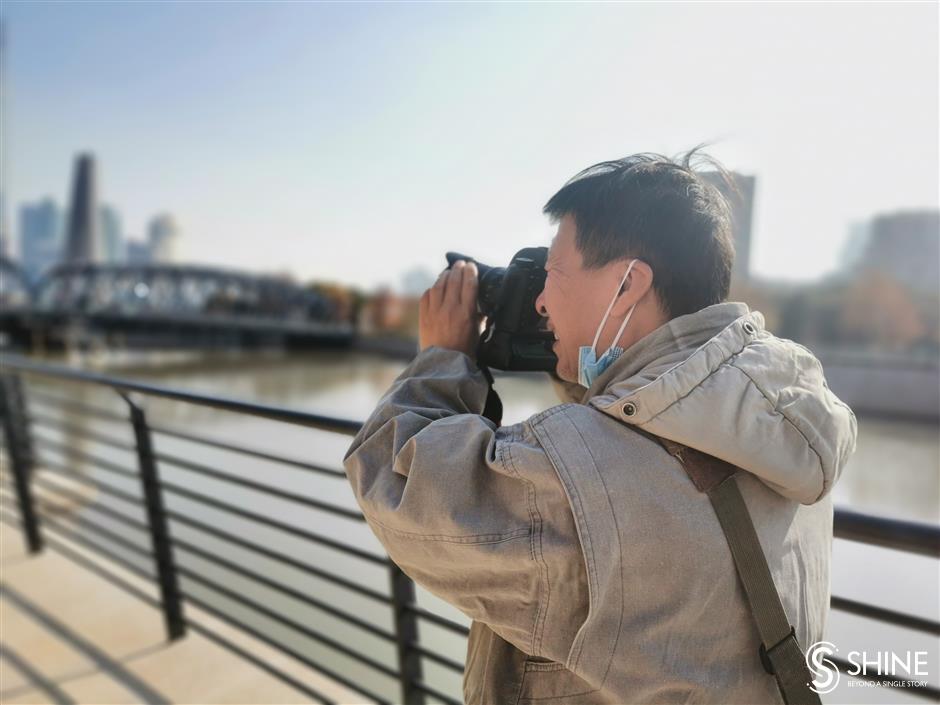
{"type": "Point", "coordinates": [354, 142]}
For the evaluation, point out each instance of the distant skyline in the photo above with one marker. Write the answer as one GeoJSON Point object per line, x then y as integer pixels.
{"type": "Point", "coordinates": [357, 142]}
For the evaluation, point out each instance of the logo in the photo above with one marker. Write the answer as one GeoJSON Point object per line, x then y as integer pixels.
{"type": "Point", "coordinates": [825, 673]}
{"type": "Point", "coordinates": [877, 669]}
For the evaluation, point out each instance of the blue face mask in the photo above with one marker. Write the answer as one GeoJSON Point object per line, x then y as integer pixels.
{"type": "Point", "coordinates": [589, 367]}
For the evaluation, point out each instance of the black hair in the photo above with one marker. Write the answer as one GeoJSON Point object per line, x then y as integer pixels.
{"type": "Point", "coordinates": [662, 211]}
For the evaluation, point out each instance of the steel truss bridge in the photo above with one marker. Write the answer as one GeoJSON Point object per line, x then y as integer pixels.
{"type": "Point", "coordinates": [164, 306]}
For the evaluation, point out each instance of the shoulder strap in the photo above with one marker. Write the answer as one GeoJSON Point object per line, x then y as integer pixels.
{"type": "Point", "coordinates": [780, 653]}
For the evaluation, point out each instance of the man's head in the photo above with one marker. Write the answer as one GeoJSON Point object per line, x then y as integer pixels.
{"type": "Point", "coordinates": [647, 207]}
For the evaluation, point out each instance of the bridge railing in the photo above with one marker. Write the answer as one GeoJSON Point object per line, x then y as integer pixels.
{"type": "Point", "coordinates": [159, 543]}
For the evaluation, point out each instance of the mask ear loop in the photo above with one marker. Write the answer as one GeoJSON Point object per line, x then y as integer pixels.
{"type": "Point", "coordinates": [597, 335]}
{"type": "Point", "coordinates": [623, 326]}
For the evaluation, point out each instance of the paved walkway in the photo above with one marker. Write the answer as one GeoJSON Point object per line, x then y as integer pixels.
{"type": "Point", "coordinates": [69, 636]}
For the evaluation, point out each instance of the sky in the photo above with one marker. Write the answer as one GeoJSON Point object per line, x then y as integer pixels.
{"type": "Point", "coordinates": [355, 142]}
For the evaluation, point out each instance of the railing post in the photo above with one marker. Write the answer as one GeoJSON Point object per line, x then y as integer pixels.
{"type": "Point", "coordinates": [406, 633]}
{"type": "Point", "coordinates": [20, 449]}
{"type": "Point", "coordinates": [159, 529]}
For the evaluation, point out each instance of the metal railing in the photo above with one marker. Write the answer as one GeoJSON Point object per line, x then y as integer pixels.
{"type": "Point", "coordinates": [158, 522]}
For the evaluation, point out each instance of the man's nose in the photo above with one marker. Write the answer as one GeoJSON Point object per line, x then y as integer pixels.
{"type": "Point", "coordinates": [540, 304]}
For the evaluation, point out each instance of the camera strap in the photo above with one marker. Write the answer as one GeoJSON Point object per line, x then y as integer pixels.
{"type": "Point", "coordinates": [780, 653]}
{"type": "Point", "coordinates": [493, 408]}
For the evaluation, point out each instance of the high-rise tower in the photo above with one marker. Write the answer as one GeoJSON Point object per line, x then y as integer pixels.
{"type": "Point", "coordinates": [741, 203]}
{"type": "Point", "coordinates": [4, 147]}
{"type": "Point", "coordinates": [163, 237]}
{"type": "Point", "coordinates": [82, 239]}
{"type": "Point", "coordinates": [40, 237]}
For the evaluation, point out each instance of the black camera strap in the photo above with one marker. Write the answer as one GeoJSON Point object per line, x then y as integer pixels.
{"type": "Point", "coordinates": [493, 408]}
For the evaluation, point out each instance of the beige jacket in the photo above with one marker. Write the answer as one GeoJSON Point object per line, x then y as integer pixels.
{"type": "Point", "coordinates": [593, 569]}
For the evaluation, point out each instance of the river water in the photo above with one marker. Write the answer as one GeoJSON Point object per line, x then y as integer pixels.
{"type": "Point", "coordinates": [894, 473]}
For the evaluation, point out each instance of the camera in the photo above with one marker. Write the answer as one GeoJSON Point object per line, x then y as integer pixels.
{"type": "Point", "coordinates": [515, 337]}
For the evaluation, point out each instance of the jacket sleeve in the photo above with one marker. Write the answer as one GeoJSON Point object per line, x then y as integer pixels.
{"type": "Point", "coordinates": [473, 513]}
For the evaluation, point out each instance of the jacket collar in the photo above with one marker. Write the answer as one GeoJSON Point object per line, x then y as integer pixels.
{"type": "Point", "coordinates": [673, 341]}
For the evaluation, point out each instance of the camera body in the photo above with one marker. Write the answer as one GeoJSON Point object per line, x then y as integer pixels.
{"type": "Point", "coordinates": [515, 337]}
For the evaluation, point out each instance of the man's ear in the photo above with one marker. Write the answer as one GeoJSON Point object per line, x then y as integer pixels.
{"type": "Point", "coordinates": [638, 283]}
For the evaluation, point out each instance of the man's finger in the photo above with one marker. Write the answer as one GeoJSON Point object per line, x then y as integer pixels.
{"type": "Point", "coordinates": [468, 292]}
{"type": "Point", "coordinates": [454, 283]}
{"type": "Point", "coordinates": [437, 290]}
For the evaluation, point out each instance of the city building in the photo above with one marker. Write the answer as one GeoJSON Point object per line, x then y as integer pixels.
{"type": "Point", "coordinates": [853, 251]}
{"type": "Point", "coordinates": [904, 245]}
{"type": "Point", "coordinates": [83, 240]}
{"type": "Point", "coordinates": [162, 237]}
{"type": "Point", "coordinates": [416, 281]}
{"type": "Point", "coordinates": [4, 229]}
{"type": "Point", "coordinates": [40, 229]}
{"type": "Point", "coordinates": [741, 200]}
{"type": "Point", "coordinates": [112, 237]}
{"type": "Point", "coordinates": [137, 252]}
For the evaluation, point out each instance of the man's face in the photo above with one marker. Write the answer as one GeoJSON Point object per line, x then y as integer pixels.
{"type": "Point", "coordinates": [574, 299]}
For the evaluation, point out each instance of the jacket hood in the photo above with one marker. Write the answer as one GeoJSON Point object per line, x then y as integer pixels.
{"type": "Point", "coordinates": [717, 381]}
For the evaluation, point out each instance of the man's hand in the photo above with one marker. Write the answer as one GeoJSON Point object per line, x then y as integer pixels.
{"type": "Point", "coordinates": [447, 314]}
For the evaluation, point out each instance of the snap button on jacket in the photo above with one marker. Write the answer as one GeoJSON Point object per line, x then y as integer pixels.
{"type": "Point", "coordinates": [593, 569]}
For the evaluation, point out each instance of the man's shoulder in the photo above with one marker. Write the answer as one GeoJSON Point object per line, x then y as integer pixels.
{"type": "Point", "coordinates": [544, 417]}
{"type": "Point", "coordinates": [580, 419]}
{"type": "Point", "coordinates": [576, 435]}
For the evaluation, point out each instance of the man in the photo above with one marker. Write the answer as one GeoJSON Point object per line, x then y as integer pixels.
{"type": "Point", "coordinates": [594, 569]}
